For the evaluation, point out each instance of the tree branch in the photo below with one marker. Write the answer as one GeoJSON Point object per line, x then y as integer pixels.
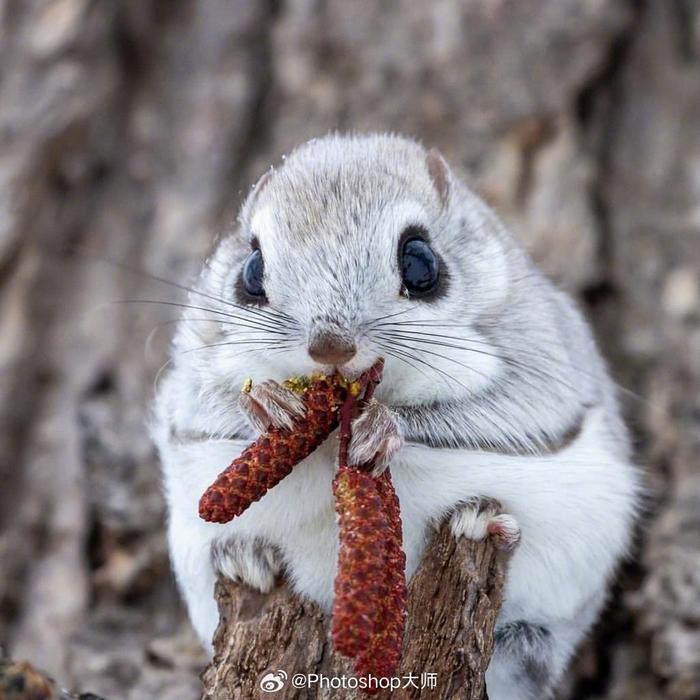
{"type": "Point", "coordinates": [454, 599]}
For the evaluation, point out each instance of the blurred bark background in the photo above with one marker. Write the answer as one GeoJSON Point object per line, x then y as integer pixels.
{"type": "Point", "coordinates": [131, 128]}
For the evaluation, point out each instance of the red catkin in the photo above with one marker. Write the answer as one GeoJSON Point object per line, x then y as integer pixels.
{"type": "Point", "coordinates": [265, 462]}
{"type": "Point", "coordinates": [383, 653]}
{"type": "Point", "coordinates": [368, 614]}
{"type": "Point", "coordinates": [361, 578]}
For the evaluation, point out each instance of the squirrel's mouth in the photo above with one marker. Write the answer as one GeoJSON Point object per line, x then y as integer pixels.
{"type": "Point", "coordinates": [354, 368]}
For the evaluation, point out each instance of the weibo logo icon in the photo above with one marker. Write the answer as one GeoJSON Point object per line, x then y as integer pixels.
{"type": "Point", "coordinates": [273, 681]}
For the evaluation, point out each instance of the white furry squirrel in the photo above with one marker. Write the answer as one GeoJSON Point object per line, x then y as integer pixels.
{"type": "Point", "coordinates": [494, 396]}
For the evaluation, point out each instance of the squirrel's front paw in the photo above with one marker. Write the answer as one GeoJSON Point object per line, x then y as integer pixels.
{"type": "Point", "coordinates": [375, 436]}
{"type": "Point", "coordinates": [269, 404]}
{"type": "Point", "coordinates": [251, 562]}
{"type": "Point", "coordinates": [479, 517]}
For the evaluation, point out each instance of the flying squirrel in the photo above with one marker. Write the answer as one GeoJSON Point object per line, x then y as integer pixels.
{"type": "Point", "coordinates": [496, 410]}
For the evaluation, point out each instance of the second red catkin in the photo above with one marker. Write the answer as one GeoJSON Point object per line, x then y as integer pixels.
{"type": "Point", "coordinates": [361, 576]}
{"type": "Point", "coordinates": [383, 653]}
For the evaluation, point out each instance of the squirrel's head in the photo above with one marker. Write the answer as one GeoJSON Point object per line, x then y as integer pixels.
{"type": "Point", "coordinates": [358, 247]}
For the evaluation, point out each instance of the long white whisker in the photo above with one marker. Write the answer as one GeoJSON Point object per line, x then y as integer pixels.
{"type": "Point", "coordinates": [269, 312]}
{"type": "Point", "coordinates": [423, 362]}
{"type": "Point", "coordinates": [252, 323]}
{"type": "Point", "coordinates": [258, 342]}
{"type": "Point", "coordinates": [512, 362]}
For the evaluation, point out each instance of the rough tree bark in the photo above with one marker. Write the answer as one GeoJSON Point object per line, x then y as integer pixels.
{"type": "Point", "coordinates": [132, 128]}
{"type": "Point", "coordinates": [454, 598]}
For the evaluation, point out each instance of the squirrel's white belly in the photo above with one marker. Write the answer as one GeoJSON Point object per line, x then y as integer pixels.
{"type": "Point", "coordinates": [574, 509]}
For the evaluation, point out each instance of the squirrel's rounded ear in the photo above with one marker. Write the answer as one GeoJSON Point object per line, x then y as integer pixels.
{"type": "Point", "coordinates": [439, 173]}
{"type": "Point", "coordinates": [255, 191]}
{"type": "Point", "coordinates": [259, 186]}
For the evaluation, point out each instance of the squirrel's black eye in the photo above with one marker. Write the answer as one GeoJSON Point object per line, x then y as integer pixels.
{"type": "Point", "coordinates": [252, 274]}
{"type": "Point", "coordinates": [420, 267]}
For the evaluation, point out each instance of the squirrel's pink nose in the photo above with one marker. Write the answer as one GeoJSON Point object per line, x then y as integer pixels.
{"type": "Point", "coordinates": [331, 349]}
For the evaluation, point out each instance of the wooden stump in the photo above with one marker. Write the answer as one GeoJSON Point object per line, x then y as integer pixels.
{"type": "Point", "coordinates": [454, 599]}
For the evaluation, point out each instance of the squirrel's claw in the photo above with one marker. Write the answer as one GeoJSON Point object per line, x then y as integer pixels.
{"type": "Point", "coordinates": [375, 437]}
{"type": "Point", "coordinates": [269, 404]}
{"type": "Point", "coordinates": [478, 518]}
{"type": "Point", "coordinates": [251, 562]}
